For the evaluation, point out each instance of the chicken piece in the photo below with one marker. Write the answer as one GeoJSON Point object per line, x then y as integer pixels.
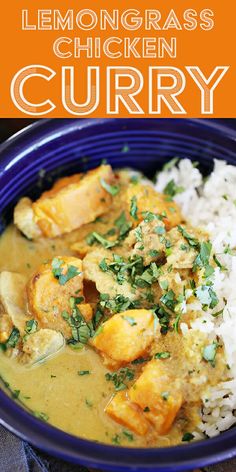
{"type": "Point", "coordinates": [145, 241]}
{"type": "Point", "coordinates": [24, 219]}
{"type": "Point", "coordinates": [73, 202]}
{"type": "Point", "coordinates": [12, 298]}
{"type": "Point", "coordinates": [147, 199]}
{"type": "Point", "coordinates": [41, 345]}
{"type": "Point", "coordinates": [158, 394]}
{"type": "Point", "coordinates": [105, 281]}
{"type": "Point", "coordinates": [126, 336]}
{"type": "Point", "coordinates": [6, 327]}
{"type": "Point", "coordinates": [49, 291]}
{"type": "Point", "coordinates": [122, 410]}
{"type": "Point", "coordinates": [182, 254]}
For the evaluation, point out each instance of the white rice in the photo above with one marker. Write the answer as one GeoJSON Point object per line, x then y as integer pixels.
{"type": "Point", "coordinates": [211, 204]}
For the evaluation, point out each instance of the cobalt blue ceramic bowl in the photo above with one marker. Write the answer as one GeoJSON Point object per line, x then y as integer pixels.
{"type": "Point", "coordinates": [29, 161]}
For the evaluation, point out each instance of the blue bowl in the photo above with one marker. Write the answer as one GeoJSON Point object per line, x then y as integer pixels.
{"type": "Point", "coordinates": [29, 162]}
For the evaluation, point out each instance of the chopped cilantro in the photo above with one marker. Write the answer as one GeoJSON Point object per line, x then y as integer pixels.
{"type": "Point", "coordinates": [149, 216]}
{"type": "Point", "coordinates": [140, 360]}
{"type": "Point", "coordinates": [130, 320]}
{"type": "Point", "coordinates": [72, 271]}
{"type": "Point", "coordinates": [164, 284]}
{"type": "Point", "coordinates": [207, 296]}
{"type": "Point", "coordinates": [171, 163]}
{"type": "Point", "coordinates": [202, 259]}
{"type": "Point", "coordinates": [171, 189]}
{"type": "Point", "coordinates": [138, 234]}
{"type": "Point", "coordinates": [209, 353]}
{"type": "Point", "coordinates": [88, 403]}
{"type": "Point", "coordinates": [112, 189]}
{"type": "Point", "coordinates": [160, 230]}
{"type": "Point", "coordinates": [128, 435]}
{"type": "Point", "coordinates": [42, 416]}
{"type": "Point", "coordinates": [218, 263]}
{"type": "Point", "coordinates": [13, 338]}
{"type": "Point", "coordinates": [84, 372]}
{"type": "Point", "coordinates": [134, 208]}
{"type": "Point", "coordinates": [123, 225]}
{"type": "Point", "coordinates": [165, 395]}
{"type": "Point", "coordinates": [230, 251]}
{"type": "Point", "coordinates": [192, 241]}
{"type": "Point", "coordinates": [103, 265]}
{"type": "Point", "coordinates": [162, 355]}
{"type": "Point", "coordinates": [187, 437]}
{"type": "Point", "coordinates": [100, 239]}
{"type": "Point", "coordinates": [153, 253]}
{"type": "Point", "coordinates": [168, 299]}
{"type": "Point", "coordinates": [176, 322]}
{"type": "Point", "coordinates": [116, 439]}
{"type": "Point", "coordinates": [31, 326]}
{"type": "Point", "coordinates": [146, 409]}
{"type": "Point", "coordinates": [118, 378]}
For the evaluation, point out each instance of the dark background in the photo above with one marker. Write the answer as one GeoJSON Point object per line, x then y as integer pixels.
{"type": "Point", "coordinates": [9, 126]}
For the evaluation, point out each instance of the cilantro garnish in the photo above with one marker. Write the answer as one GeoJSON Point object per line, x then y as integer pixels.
{"type": "Point", "coordinates": [42, 416]}
{"type": "Point", "coordinates": [128, 435]}
{"type": "Point", "coordinates": [134, 208]}
{"type": "Point", "coordinates": [81, 331]}
{"type": "Point", "coordinates": [13, 338]}
{"type": "Point", "coordinates": [112, 189]}
{"type": "Point", "coordinates": [138, 234]}
{"type": "Point", "coordinates": [96, 237]}
{"type": "Point", "coordinates": [160, 230]}
{"type": "Point", "coordinates": [209, 353]}
{"type": "Point", "coordinates": [72, 271]}
{"type": "Point", "coordinates": [207, 296]}
{"type": "Point", "coordinates": [218, 263]}
{"type": "Point", "coordinates": [123, 225]}
{"type": "Point", "coordinates": [165, 395]}
{"type": "Point", "coordinates": [162, 355]}
{"type": "Point", "coordinates": [153, 253]}
{"type": "Point", "coordinates": [118, 378]}
{"type": "Point", "coordinates": [83, 372]}
{"type": "Point", "coordinates": [130, 320]}
{"type": "Point", "coordinates": [31, 326]}
{"type": "Point", "coordinates": [149, 216]}
{"type": "Point", "coordinates": [171, 163]}
{"type": "Point", "coordinates": [230, 251]}
{"type": "Point", "coordinates": [171, 189]}
{"type": "Point", "coordinates": [192, 241]}
{"type": "Point", "coordinates": [187, 437]}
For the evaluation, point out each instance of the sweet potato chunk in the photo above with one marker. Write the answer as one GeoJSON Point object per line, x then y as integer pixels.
{"type": "Point", "coordinates": [147, 199]}
{"type": "Point", "coordinates": [158, 393]}
{"type": "Point", "coordinates": [122, 410]}
{"type": "Point", "coordinates": [12, 299]}
{"type": "Point", "coordinates": [144, 241]}
{"type": "Point", "coordinates": [41, 345]}
{"type": "Point", "coordinates": [73, 202]}
{"type": "Point", "coordinates": [24, 219]}
{"type": "Point", "coordinates": [49, 291]}
{"type": "Point", "coordinates": [126, 336]}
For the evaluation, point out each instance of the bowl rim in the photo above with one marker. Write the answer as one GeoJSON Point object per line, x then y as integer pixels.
{"type": "Point", "coordinates": [76, 449]}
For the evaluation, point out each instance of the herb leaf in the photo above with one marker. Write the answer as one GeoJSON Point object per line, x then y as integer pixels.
{"type": "Point", "coordinates": [134, 208]}
{"type": "Point", "coordinates": [112, 189]}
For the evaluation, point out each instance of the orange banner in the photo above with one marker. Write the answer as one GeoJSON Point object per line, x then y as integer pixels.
{"type": "Point", "coordinates": [117, 58]}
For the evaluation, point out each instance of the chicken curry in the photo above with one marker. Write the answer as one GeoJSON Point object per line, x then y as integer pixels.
{"type": "Point", "coordinates": [100, 279]}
